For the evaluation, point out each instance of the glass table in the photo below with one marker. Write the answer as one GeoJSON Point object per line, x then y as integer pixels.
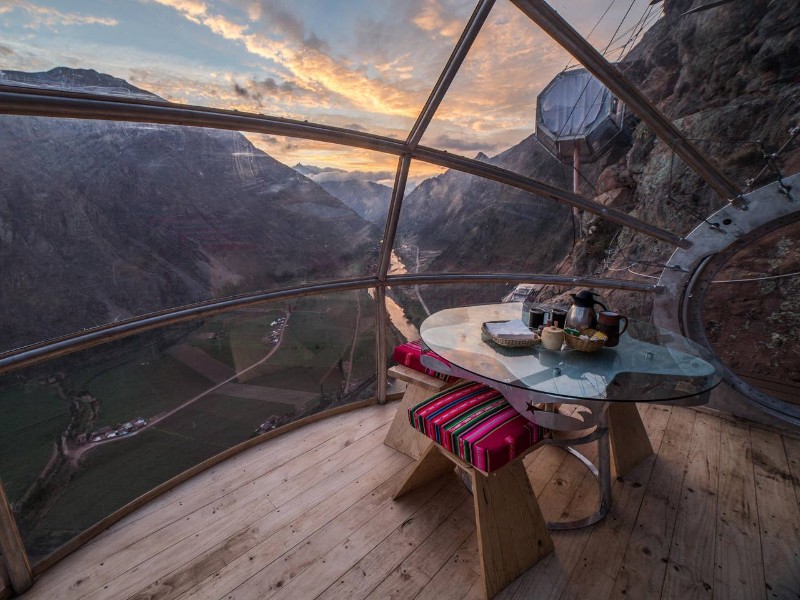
{"type": "Point", "coordinates": [649, 364]}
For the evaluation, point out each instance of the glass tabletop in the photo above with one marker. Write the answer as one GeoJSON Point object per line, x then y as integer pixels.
{"type": "Point", "coordinates": [649, 364]}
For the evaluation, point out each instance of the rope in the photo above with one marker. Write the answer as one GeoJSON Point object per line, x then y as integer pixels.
{"type": "Point", "coordinates": [756, 278]}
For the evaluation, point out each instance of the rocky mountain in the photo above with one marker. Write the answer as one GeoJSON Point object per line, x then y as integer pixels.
{"type": "Point", "coordinates": [367, 198]}
{"type": "Point", "coordinates": [465, 223]}
{"type": "Point", "coordinates": [100, 221]}
{"type": "Point", "coordinates": [85, 80]}
{"type": "Point", "coordinates": [729, 77]}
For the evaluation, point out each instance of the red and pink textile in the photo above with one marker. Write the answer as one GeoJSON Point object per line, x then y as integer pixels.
{"type": "Point", "coordinates": [409, 354]}
{"type": "Point", "coordinates": [475, 422]}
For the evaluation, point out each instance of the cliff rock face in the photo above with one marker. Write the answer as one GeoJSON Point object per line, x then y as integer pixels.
{"type": "Point", "coordinates": [100, 221]}
{"type": "Point", "coordinates": [729, 77]}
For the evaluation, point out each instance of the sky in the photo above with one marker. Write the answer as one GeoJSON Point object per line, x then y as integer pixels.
{"type": "Point", "coordinates": [363, 64]}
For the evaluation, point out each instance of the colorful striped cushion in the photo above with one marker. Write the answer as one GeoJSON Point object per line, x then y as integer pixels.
{"type": "Point", "coordinates": [475, 422]}
{"type": "Point", "coordinates": [408, 354]}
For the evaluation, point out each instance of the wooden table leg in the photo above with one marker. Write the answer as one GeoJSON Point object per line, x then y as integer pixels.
{"type": "Point", "coordinates": [512, 535]}
{"type": "Point", "coordinates": [630, 444]}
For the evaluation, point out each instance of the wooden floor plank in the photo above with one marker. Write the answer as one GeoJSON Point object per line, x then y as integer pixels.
{"type": "Point", "coordinates": [690, 570]}
{"type": "Point", "coordinates": [791, 446]}
{"type": "Point", "coordinates": [246, 550]}
{"type": "Point", "coordinates": [778, 515]}
{"type": "Point", "coordinates": [641, 571]}
{"type": "Point", "coordinates": [337, 532]}
{"type": "Point", "coordinates": [739, 571]}
{"type": "Point", "coordinates": [325, 521]}
{"type": "Point", "coordinates": [388, 556]}
{"type": "Point", "coordinates": [409, 577]}
{"type": "Point", "coordinates": [295, 485]}
{"type": "Point", "coordinates": [589, 584]}
{"type": "Point", "coordinates": [609, 539]}
{"type": "Point", "coordinates": [457, 576]}
{"type": "Point", "coordinates": [549, 578]}
{"type": "Point", "coordinates": [219, 529]}
{"type": "Point", "coordinates": [330, 556]}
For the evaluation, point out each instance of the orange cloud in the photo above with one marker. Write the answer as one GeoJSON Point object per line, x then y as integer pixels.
{"type": "Point", "coordinates": [434, 18]}
{"type": "Point", "coordinates": [309, 67]}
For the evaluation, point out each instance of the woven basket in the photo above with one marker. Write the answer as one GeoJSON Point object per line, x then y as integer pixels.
{"type": "Point", "coordinates": [576, 343]}
{"type": "Point", "coordinates": [485, 336]}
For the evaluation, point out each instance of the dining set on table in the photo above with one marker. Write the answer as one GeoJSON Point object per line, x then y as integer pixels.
{"type": "Point", "coordinates": [489, 384]}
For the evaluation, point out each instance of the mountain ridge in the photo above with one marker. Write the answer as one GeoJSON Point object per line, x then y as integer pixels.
{"type": "Point", "coordinates": [109, 220]}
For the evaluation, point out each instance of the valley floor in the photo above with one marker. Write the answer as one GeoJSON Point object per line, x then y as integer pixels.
{"type": "Point", "coordinates": [309, 515]}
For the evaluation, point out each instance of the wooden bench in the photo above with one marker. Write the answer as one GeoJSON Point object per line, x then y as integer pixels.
{"type": "Point", "coordinates": [480, 425]}
{"type": "Point", "coordinates": [402, 437]}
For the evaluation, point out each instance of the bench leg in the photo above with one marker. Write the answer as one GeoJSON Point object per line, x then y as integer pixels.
{"type": "Point", "coordinates": [630, 443]}
{"type": "Point", "coordinates": [402, 436]}
{"type": "Point", "coordinates": [432, 465]}
{"type": "Point", "coordinates": [512, 535]}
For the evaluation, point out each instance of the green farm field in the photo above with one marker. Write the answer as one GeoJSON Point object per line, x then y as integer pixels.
{"type": "Point", "coordinates": [306, 372]}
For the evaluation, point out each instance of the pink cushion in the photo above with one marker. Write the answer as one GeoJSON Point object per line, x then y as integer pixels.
{"type": "Point", "coordinates": [408, 354]}
{"type": "Point", "coordinates": [475, 422]}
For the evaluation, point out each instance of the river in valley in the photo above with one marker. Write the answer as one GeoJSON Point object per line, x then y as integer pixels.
{"type": "Point", "coordinates": [396, 315]}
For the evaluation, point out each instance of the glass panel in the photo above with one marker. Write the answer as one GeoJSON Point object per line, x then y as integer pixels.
{"type": "Point", "coordinates": [460, 223]}
{"type": "Point", "coordinates": [490, 106]}
{"type": "Point", "coordinates": [492, 109]}
{"type": "Point", "coordinates": [111, 220]}
{"type": "Point", "coordinates": [611, 27]}
{"type": "Point", "coordinates": [364, 64]}
{"type": "Point", "coordinates": [83, 435]}
{"type": "Point", "coordinates": [724, 107]}
{"type": "Point", "coordinates": [754, 328]}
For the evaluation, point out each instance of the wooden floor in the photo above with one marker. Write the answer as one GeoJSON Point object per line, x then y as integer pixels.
{"type": "Point", "coordinates": [309, 515]}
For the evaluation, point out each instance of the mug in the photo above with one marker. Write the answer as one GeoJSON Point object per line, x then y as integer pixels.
{"type": "Point", "coordinates": [558, 315]}
{"type": "Point", "coordinates": [608, 322]}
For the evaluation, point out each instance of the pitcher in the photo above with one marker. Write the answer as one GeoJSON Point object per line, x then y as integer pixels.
{"type": "Point", "coordinates": [581, 315]}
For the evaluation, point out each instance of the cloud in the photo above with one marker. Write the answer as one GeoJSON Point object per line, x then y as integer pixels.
{"type": "Point", "coordinates": [268, 88]}
{"type": "Point", "coordinates": [435, 18]}
{"type": "Point", "coordinates": [270, 19]}
{"type": "Point", "coordinates": [353, 176]}
{"type": "Point", "coordinates": [306, 63]}
{"type": "Point", "coordinates": [445, 141]}
{"type": "Point", "coordinates": [192, 9]}
{"type": "Point", "coordinates": [44, 16]}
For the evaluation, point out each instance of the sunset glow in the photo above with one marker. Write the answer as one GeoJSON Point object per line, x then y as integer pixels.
{"type": "Point", "coordinates": [367, 65]}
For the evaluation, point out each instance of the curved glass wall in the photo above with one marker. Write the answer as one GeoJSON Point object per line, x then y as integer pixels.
{"type": "Point", "coordinates": [88, 433]}
{"type": "Point", "coordinates": [764, 313]}
{"type": "Point", "coordinates": [168, 216]}
{"type": "Point", "coordinates": [111, 220]}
